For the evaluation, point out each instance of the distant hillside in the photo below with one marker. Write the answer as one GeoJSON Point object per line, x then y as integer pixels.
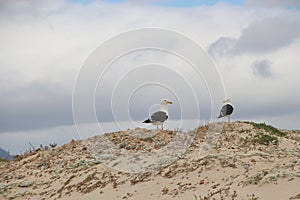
{"type": "Point", "coordinates": [5, 155]}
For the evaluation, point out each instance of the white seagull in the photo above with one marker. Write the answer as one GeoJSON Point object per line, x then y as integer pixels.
{"type": "Point", "coordinates": [226, 110]}
{"type": "Point", "coordinates": [159, 117]}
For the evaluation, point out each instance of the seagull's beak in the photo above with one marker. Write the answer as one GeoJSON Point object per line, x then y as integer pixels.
{"type": "Point", "coordinates": [170, 102]}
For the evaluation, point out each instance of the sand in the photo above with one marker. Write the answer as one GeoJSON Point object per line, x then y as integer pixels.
{"type": "Point", "coordinates": [144, 165]}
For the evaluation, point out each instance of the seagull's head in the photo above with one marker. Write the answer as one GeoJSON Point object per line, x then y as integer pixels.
{"type": "Point", "coordinates": [227, 101]}
{"type": "Point", "coordinates": [165, 102]}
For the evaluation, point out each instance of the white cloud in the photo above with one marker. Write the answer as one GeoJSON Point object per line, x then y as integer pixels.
{"type": "Point", "coordinates": [44, 43]}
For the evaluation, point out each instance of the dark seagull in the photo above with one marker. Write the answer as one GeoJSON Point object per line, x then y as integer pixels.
{"type": "Point", "coordinates": [226, 110]}
{"type": "Point", "coordinates": [159, 117]}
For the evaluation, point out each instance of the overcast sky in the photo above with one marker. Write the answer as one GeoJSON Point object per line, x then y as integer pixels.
{"type": "Point", "coordinates": [254, 44]}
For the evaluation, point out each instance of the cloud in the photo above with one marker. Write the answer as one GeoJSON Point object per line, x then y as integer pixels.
{"type": "Point", "coordinates": [273, 3]}
{"type": "Point", "coordinates": [222, 47]}
{"type": "Point", "coordinates": [38, 104]}
{"type": "Point", "coordinates": [261, 36]}
{"type": "Point", "coordinates": [44, 43]}
{"type": "Point", "coordinates": [262, 68]}
{"type": "Point", "coordinates": [268, 35]}
{"type": "Point", "coordinates": [271, 92]}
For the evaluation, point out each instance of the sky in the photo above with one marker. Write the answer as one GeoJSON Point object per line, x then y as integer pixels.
{"type": "Point", "coordinates": [254, 47]}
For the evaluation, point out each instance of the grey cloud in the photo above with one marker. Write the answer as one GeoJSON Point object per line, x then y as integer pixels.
{"type": "Point", "coordinates": [38, 104]}
{"type": "Point", "coordinates": [268, 109]}
{"type": "Point", "coordinates": [268, 35]}
{"type": "Point", "coordinates": [259, 37]}
{"type": "Point", "coordinates": [32, 7]}
{"type": "Point", "coordinates": [262, 68]}
{"type": "Point", "coordinates": [222, 47]}
{"type": "Point", "coordinates": [273, 3]}
{"type": "Point", "coordinates": [44, 103]}
{"type": "Point", "coordinates": [31, 10]}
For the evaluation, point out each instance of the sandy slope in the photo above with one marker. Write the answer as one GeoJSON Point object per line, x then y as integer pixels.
{"type": "Point", "coordinates": [234, 168]}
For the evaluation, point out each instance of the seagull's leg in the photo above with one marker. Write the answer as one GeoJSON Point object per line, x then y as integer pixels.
{"type": "Point", "coordinates": [156, 127]}
{"type": "Point", "coordinates": [228, 118]}
{"type": "Point", "coordinates": [162, 126]}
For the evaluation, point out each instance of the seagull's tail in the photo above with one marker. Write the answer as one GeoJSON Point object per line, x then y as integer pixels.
{"type": "Point", "coordinates": [147, 121]}
{"type": "Point", "coordinates": [220, 116]}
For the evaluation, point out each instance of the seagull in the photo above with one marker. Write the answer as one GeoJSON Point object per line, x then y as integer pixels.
{"type": "Point", "coordinates": [159, 117]}
{"type": "Point", "coordinates": [226, 109]}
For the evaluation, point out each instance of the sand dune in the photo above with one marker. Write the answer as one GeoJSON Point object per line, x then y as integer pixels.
{"type": "Point", "coordinates": [242, 161]}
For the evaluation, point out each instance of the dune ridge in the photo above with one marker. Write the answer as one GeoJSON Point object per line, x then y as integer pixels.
{"type": "Point", "coordinates": [247, 161]}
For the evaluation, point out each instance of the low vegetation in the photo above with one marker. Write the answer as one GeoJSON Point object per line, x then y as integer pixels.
{"type": "Point", "coordinates": [2, 160]}
{"type": "Point", "coordinates": [265, 139]}
{"type": "Point", "coordinates": [264, 134]}
{"type": "Point", "coordinates": [261, 138]}
{"type": "Point", "coordinates": [268, 128]}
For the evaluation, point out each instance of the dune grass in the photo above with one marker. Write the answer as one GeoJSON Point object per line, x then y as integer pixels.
{"type": "Point", "coordinates": [265, 139]}
{"type": "Point", "coordinates": [268, 128]}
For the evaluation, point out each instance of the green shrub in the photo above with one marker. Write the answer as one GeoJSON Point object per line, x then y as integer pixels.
{"type": "Point", "coordinates": [268, 128]}
{"type": "Point", "coordinates": [265, 139]}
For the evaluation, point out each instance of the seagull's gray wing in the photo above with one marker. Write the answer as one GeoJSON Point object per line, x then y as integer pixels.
{"type": "Point", "coordinates": [226, 110]}
{"type": "Point", "coordinates": [159, 116]}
